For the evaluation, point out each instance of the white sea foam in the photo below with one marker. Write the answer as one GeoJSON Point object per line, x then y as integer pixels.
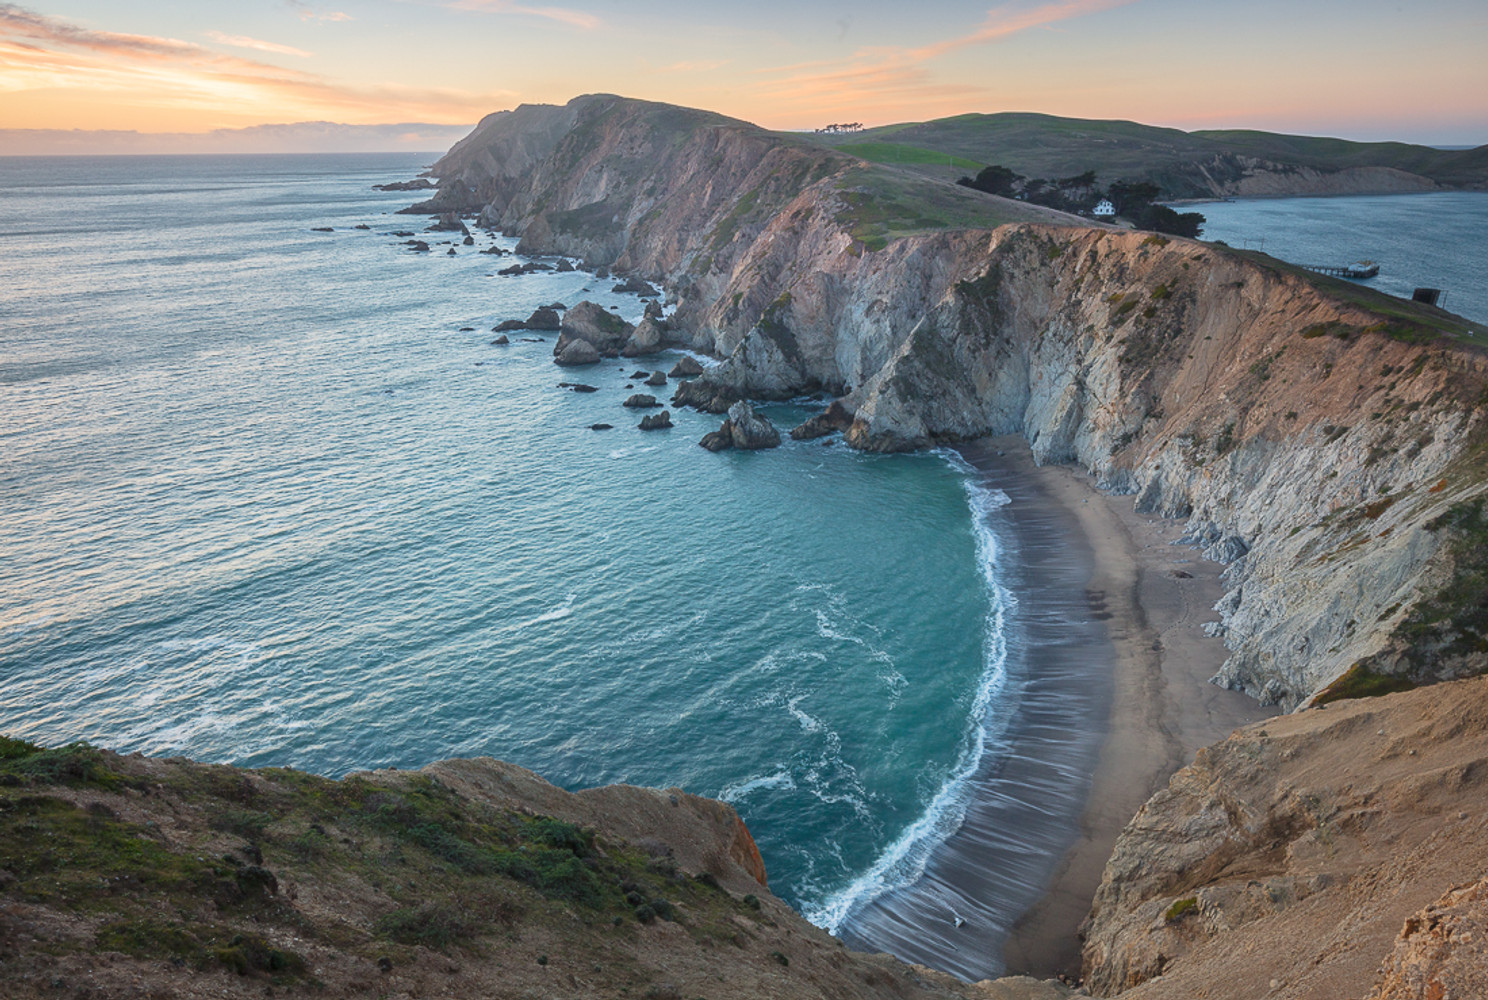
{"type": "Point", "coordinates": [903, 861]}
{"type": "Point", "coordinates": [779, 780]}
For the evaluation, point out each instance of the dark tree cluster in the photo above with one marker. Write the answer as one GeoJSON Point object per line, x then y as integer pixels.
{"type": "Point", "coordinates": [1080, 194]}
{"type": "Point", "coordinates": [836, 129]}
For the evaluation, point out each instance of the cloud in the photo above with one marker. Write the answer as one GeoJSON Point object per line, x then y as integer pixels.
{"type": "Point", "coordinates": [244, 42]}
{"type": "Point", "coordinates": [1011, 18]}
{"type": "Point", "coordinates": [887, 78]}
{"type": "Point", "coordinates": [39, 52]}
{"type": "Point", "coordinates": [306, 13]}
{"type": "Point", "coordinates": [563, 15]}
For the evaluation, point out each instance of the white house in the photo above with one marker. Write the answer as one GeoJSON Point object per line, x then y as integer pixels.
{"type": "Point", "coordinates": [1104, 210]}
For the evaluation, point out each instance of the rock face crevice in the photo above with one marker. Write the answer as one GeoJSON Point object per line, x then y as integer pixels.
{"type": "Point", "coordinates": [1310, 434]}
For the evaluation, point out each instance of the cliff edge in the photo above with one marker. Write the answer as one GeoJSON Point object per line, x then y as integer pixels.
{"type": "Point", "coordinates": [129, 877]}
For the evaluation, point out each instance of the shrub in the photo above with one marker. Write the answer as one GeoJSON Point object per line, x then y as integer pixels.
{"type": "Point", "coordinates": [1179, 908]}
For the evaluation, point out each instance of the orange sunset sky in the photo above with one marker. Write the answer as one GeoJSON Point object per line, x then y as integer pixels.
{"type": "Point", "coordinates": [1363, 70]}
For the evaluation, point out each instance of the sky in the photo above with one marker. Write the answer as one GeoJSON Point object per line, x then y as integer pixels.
{"type": "Point", "coordinates": [1364, 69]}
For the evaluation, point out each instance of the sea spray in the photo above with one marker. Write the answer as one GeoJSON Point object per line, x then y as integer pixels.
{"type": "Point", "coordinates": [903, 861]}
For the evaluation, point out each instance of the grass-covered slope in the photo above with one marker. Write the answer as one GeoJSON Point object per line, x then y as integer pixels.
{"type": "Point", "coordinates": [124, 876]}
{"type": "Point", "coordinates": [1183, 164]}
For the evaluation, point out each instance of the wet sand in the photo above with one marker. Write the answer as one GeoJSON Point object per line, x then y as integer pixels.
{"type": "Point", "coordinates": [1108, 669]}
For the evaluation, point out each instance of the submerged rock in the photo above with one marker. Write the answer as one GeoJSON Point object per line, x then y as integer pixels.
{"type": "Point", "coordinates": [749, 430]}
{"type": "Point", "coordinates": [418, 246]}
{"type": "Point", "coordinates": [578, 386]}
{"type": "Point", "coordinates": [657, 421]}
{"type": "Point", "coordinates": [686, 368]}
{"type": "Point", "coordinates": [601, 427]}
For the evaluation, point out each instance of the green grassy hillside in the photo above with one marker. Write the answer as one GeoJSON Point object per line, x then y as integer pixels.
{"type": "Point", "coordinates": [1047, 146]}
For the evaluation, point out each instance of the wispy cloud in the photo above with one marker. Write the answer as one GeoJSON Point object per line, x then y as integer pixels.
{"type": "Point", "coordinates": [1011, 18]}
{"type": "Point", "coordinates": [244, 42]}
{"type": "Point", "coordinates": [307, 13]}
{"type": "Point", "coordinates": [892, 77]}
{"type": "Point", "coordinates": [575, 18]}
{"type": "Point", "coordinates": [39, 52]}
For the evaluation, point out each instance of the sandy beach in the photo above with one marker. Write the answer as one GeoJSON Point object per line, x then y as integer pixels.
{"type": "Point", "coordinates": [1158, 595]}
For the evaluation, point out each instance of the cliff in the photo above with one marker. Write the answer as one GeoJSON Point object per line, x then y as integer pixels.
{"type": "Point", "coordinates": [1325, 441]}
{"type": "Point", "coordinates": [130, 877]}
{"type": "Point", "coordinates": [1326, 854]}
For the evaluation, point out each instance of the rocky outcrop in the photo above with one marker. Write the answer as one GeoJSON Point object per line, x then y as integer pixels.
{"type": "Point", "coordinates": [657, 422]}
{"type": "Point", "coordinates": [1442, 951]}
{"type": "Point", "coordinates": [577, 351]}
{"type": "Point", "coordinates": [750, 431]}
{"type": "Point", "coordinates": [641, 401]}
{"type": "Point", "coordinates": [656, 379]}
{"type": "Point", "coordinates": [685, 368]}
{"type": "Point", "coordinates": [1293, 852]}
{"type": "Point", "coordinates": [647, 338]}
{"type": "Point", "coordinates": [834, 418]}
{"type": "Point", "coordinates": [591, 322]}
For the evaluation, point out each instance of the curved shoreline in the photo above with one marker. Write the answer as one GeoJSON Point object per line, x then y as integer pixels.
{"type": "Point", "coordinates": [1158, 594]}
{"type": "Point", "coordinates": [1110, 667]}
{"type": "Point", "coordinates": [1027, 790]}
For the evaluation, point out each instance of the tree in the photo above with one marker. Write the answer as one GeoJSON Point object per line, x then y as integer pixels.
{"type": "Point", "coordinates": [995, 179]}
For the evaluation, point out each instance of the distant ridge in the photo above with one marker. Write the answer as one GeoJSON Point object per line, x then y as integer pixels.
{"type": "Point", "coordinates": [298, 137]}
{"type": "Point", "coordinates": [1204, 164]}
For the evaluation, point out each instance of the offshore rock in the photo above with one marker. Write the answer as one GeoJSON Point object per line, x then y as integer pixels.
{"type": "Point", "coordinates": [508, 325]}
{"type": "Point", "coordinates": [637, 286]}
{"type": "Point", "coordinates": [646, 339]}
{"type": "Point", "coordinates": [686, 368]}
{"type": "Point", "coordinates": [501, 341]}
{"type": "Point", "coordinates": [750, 431]}
{"type": "Point", "coordinates": [835, 417]}
{"type": "Point", "coordinates": [719, 440]}
{"type": "Point", "coordinates": [641, 401]}
{"type": "Point", "coordinates": [577, 352]}
{"type": "Point", "coordinates": [605, 332]}
{"type": "Point", "coordinates": [544, 318]}
{"type": "Point", "coordinates": [657, 379]}
{"type": "Point", "coordinates": [657, 421]}
{"type": "Point", "coordinates": [654, 310]}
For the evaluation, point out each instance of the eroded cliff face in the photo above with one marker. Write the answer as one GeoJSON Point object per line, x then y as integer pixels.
{"type": "Point", "coordinates": [1331, 853]}
{"type": "Point", "coordinates": [1329, 446]}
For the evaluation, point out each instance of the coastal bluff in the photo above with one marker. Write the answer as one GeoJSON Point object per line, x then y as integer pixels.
{"type": "Point", "coordinates": [128, 877]}
{"type": "Point", "coordinates": [1325, 441]}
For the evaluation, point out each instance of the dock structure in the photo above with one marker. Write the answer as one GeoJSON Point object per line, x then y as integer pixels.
{"type": "Point", "coordinates": [1359, 270]}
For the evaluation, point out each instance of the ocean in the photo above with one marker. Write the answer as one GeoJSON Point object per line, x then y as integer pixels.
{"type": "Point", "coordinates": [1437, 240]}
{"type": "Point", "coordinates": [270, 496]}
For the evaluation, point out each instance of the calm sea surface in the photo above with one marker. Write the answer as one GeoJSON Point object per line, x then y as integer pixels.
{"type": "Point", "coordinates": [263, 501]}
{"type": "Point", "coordinates": [1419, 240]}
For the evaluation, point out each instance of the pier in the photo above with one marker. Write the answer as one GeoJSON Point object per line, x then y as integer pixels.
{"type": "Point", "coordinates": [1358, 270]}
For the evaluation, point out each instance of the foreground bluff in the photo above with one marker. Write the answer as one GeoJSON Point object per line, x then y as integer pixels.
{"type": "Point", "coordinates": [1330, 853]}
{"type": "Point", "coordinates": [129, 877]}
{"type": "Point", "coordinates": [1326, 441]}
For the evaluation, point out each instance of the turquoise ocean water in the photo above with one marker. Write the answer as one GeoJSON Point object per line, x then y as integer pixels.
{"type": "Point", "coordinates": [263, 502]}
